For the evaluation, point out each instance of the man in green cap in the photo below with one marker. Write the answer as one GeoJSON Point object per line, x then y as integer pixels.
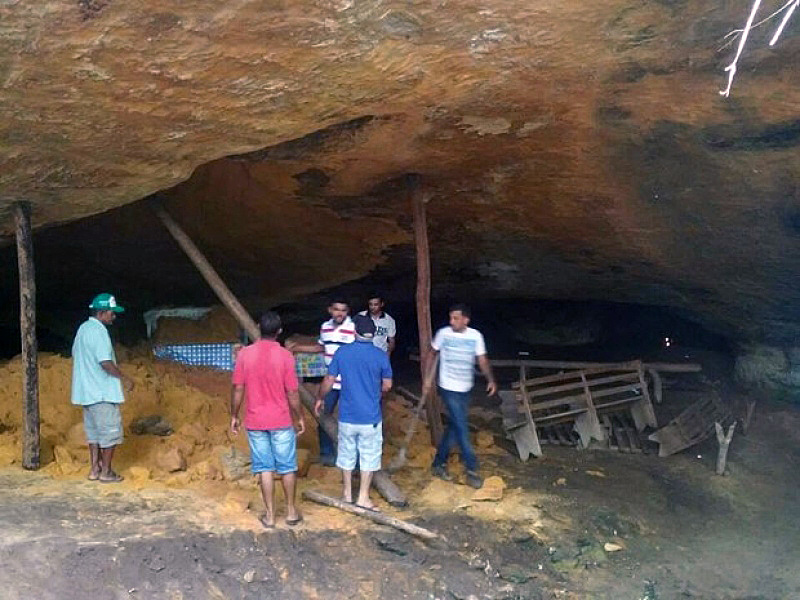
{"type": "Point", "coordinates": [97, 386]}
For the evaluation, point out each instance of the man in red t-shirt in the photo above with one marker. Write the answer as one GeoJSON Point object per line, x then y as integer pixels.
{"type": "Point", "coordinates": [264, 374]}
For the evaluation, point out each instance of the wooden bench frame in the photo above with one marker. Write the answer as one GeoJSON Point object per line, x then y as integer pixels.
{"type": "Point", "coordinates": [579, 397]}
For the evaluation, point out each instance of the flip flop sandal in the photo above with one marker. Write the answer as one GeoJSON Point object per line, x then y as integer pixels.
{"type": "Point", "coordinates": [115, 478]}
{"type": "Point", "coordinates": [374, 509]}
{"type": "Point", "coordinates": [293, 522]}
{"type": "Point", "coordinates": [91, 477]}
{"type": "Point", "coordinates": [263, 520]}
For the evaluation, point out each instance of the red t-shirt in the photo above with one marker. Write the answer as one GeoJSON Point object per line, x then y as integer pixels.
{"type": "Point", "coordinates": [266, 370]}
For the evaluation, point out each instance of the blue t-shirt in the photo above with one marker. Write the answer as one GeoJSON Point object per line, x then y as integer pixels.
{"type": "Point", "coordinates": [362, 367]}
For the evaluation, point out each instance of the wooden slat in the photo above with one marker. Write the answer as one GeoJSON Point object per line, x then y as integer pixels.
{"type": "Point", "coordinates": [631, 400]}
{"type": "Point", "coordinates": [632, 376]}
{"type": "Point", "coordinates": [566, 400]}
{"type": "Point", "coordinates": [631, 366]}
{"type": "Point", "coordinates": [568, 413]}
{"type": "Point", "coordinates": [615, 390]}
{"type": "Point", "coordinates": [663, 367]}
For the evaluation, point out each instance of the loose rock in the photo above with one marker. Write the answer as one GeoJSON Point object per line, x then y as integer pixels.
{"type": "Point", "coordinates": [171, 460]}
{"type": "Point", "coordinates": [492, 489]}
{"type": "Point", "coordinates": [151, 425]}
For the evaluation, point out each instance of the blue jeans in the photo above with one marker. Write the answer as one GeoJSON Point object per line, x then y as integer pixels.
{"type": "Point", "coordinates": [273, 450]}
{"type": "Point", "coordinates": [326, 448]}
{"type": "Point", "coordinates": [457, 431]}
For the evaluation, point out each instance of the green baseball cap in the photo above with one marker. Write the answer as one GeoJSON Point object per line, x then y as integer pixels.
{"type": "Point", "coordinates": [106, 302]}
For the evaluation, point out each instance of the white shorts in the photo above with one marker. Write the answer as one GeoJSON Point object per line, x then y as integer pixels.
{"type": "Point", "coordinates": [362, 444]}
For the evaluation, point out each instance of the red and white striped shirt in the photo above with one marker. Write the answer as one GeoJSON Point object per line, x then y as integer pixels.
{"type": "Point", "coordinates": [333, 336]}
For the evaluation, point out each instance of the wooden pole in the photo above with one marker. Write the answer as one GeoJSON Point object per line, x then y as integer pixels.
{"type": "Point", "coordinates": [415, 530]}
{"type": "Point", "coordinates": [423, 297]}
{"type": "Point", "coordinates": [724, 442]}
{"type": "Point", "coordinates": [380, 480]}
{"type": "Point", "coordinates": [209, 273]}
{"type": "Point", "coordinates": [27, 321]}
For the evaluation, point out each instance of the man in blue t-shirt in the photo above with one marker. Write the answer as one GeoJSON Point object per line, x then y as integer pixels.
{"type": "Point", "coordinates": [366, 374]}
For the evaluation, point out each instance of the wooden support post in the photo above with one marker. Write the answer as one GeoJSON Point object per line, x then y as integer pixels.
{"type": "Point", "coordinates": [658, 385]}
{"type": "Point", "coordinates": [588, 424]}
{"type": "Point", "coordinates": [415, 530]}
{"type": "Point", "coordinates": [530, 435]}
{"type": "Point", "coordinates": [209, 273]}
{"type": "Point", "coordinates": [423, 298]}
{"type": "Point", "coordinates": [642, 411]}
{"type": "Point", "coordinates": [380, 480]}
{"type": "Point", "coordinates": [748, 416]}
{"type": "Point", "coordinates": [27, 322]}
{"type": "Point", "coordinates": [724, 442]}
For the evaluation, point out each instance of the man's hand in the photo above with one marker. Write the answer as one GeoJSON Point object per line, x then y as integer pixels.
{"type": "Point", "coordinates": [235, 425]}
{"type": "Point", "coordinates": [318, 407]}
{"type": "Point", "coordinates": [300, 426]}
{"type": "Point", "coordinates": [290, 345]}
{"type": "Point", "coordinates": [491, 388]}
{"type": "Point", "coordinates": [128, 384]}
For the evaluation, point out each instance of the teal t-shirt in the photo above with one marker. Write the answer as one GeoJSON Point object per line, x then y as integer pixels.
{"type": "Point", "coordinates": [90, 383]}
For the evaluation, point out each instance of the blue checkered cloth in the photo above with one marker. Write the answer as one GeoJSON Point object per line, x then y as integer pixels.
{"type": "Point", "coordinates": [216, 356]}
{"type": "Point", "coordinates": [220, 356]}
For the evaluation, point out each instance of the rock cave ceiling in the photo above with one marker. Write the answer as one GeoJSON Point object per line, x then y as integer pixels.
{"type": "Point", "coordinates": [568, 149]}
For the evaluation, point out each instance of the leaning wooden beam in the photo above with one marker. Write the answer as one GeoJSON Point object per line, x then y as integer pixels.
{"type": "Point", "coordinates": [724, 441]}
{"type": "Point", "coordinates": [380, 480]}
{"type": "Point", "coordinates": [27, 322]}
{"type": "Point", "coordinates": [209, 273]}
{"type": "Point", "coordinates": [433, 409]}
{"type": "Point", "coordinates": [415, 530]}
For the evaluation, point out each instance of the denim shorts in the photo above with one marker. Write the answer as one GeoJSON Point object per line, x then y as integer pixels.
{"type": "Point", "coordinates": [102, 423]}
{"type": "Point", "coordinates": [362, 443]}
{"type": "Point", "coordinates": [273, 450]}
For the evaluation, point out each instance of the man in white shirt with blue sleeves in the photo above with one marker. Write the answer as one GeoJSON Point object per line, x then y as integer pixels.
{"type": "Point", "coordinates": [459, 346]}
{"type": "Point", "coordinates": [97, 387]}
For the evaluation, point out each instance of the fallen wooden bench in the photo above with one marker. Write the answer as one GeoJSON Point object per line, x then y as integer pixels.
{"type": "Point", "coordinates": [568, 408]}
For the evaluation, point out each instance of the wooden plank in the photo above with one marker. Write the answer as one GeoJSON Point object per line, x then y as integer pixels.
{"type": "Point", "coordinates": [527, 441]}
{"type": "Point", "coordinates": [569, 413]}
{"type": "Point", "coordinates": [623, 441]}
{"type": "Point", "coordinates": [563, 438]}
{"type": "Point", "coordinates": [531, 436]}
{"type": "Point", "coordinates": [378, 517]}
{"type": "Point", "coordinates": [663, 367]}
{"type": "Point", "coordinates": [565, 401]}
{"type": "Point", "coordinates": [642, 411]}
{"type": "Point", "coordinates": [615, 390]}
{"type": "Point", "coordinates": [658, 385]}
{"type": "Point", "coordinates": [596, 431]}
{"type": "Point", "coordinates": [423, 302]}
{"type": "Point", "coordinates": [209, 273]}
{"type": "Point", "coordinates": [632, 376]}
{"type": "Point", "coordinates": [27, 323]}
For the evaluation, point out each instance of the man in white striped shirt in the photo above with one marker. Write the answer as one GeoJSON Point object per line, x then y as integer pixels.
{"type": "Point", "coordinates": [385, 327]}
{"type": "Point", "coordinates": [333, 334]}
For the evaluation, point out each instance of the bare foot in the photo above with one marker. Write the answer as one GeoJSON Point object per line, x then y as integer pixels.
{"type": "Point", "coordinates": [346, 499]}
{"type": "Point", "coordinates": [293, 518]}
{"type": "Point", "coordinates": [94, 475]}
{"type": "Point", "coordinates": [267, 520]}
{"type": "Point", "coordinates": [110, 477]}
{"type": "Point", "coordinates": [368, 506]}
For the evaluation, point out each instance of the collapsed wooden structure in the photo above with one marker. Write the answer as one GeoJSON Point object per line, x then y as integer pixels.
{"type": "Point", "coordinates": [578, 406]}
